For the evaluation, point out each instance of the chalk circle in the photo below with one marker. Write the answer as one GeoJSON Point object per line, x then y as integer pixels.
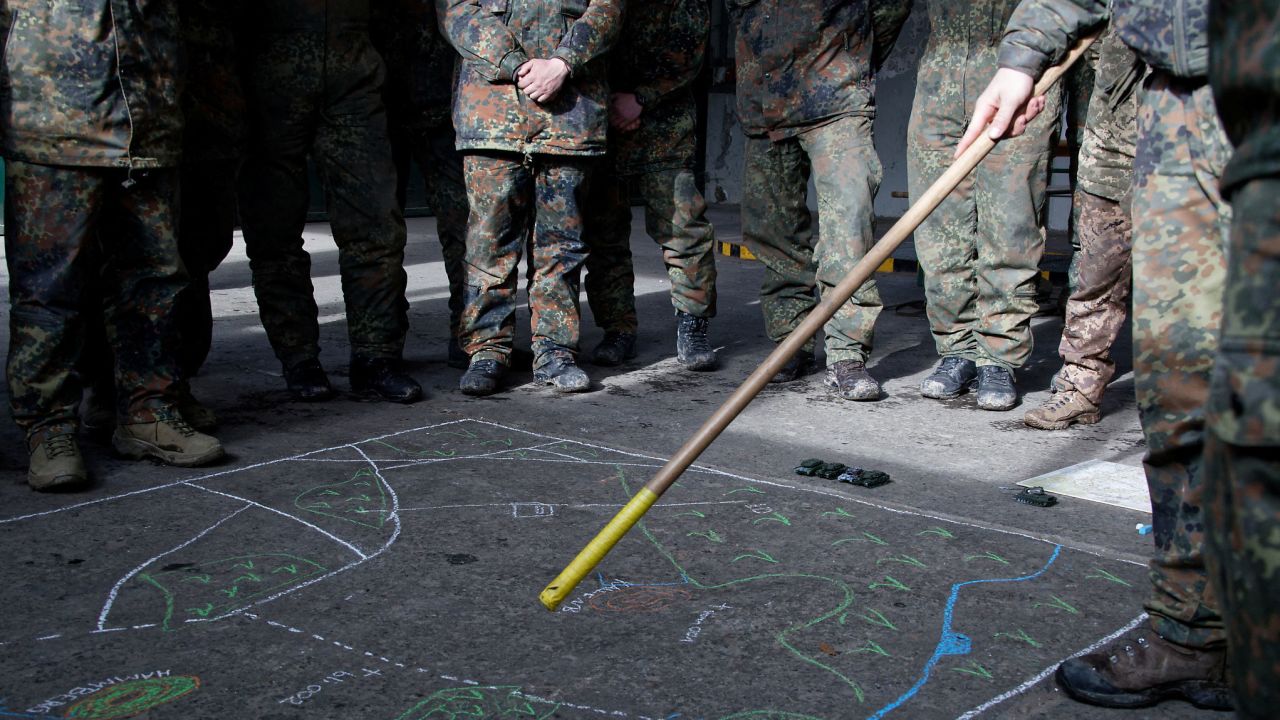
{"type": "Point", "coordinates": [135, 697]}
{"type": "Point", "coordinates": [639, 599]}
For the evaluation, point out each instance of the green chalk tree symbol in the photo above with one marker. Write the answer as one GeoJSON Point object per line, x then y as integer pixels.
{"type": "Point", "coordinates": [133, 698]}
{"type": "Point", "coordinates": [360, 500]}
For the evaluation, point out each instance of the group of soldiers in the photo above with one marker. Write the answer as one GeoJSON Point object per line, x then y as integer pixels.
{"type": "Point", "coordinates": [561, 111]}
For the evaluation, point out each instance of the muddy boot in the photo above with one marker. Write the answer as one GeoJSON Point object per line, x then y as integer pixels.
{"type": "Point", "coordinates": [562, 373]}
{"type": "Point", "coordinates": [483, 377]}
{"type": "Point", "coordinates": [1143, 669]}
{"type": "Point", "coordinates": [995, 388]}
{"type": "Point", "coordinates": [169, 439]}
{"type": "Point", "coordinates": [1061, 410]}
{"type": "Point", "coordinates": [57, 465]}
{"type": "Point", "coordinates": [952, 378]}
{"type": "Point", "coordinates": [192, 410]}
{"type": "Point", "coordinates": [795, 368]}
{"type": "Point", "coordinates": [382, 377]}
{"type": "Point", "coordinates": [307, 381]}
{"type": "Point", "coordinates": [851, 379]}
{"type": "Point", "coordinates": [614, 349]}
{"type": "Point", "coordinates": [693, 349]}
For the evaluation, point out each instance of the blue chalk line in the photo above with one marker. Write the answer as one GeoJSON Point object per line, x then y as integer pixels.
{"type": "Point", "coordinates": [953, 643]}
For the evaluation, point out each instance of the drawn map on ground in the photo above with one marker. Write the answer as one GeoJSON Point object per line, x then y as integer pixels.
{"type": "Point", "coordinates": [397, 578]}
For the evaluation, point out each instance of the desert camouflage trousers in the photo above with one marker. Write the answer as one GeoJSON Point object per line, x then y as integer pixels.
{"type": "Point", "coordinates": [1243, 451]}
{"type": "Point", "coordinates": [675, 217]}
{"type": "Point", "coordinates": [72, 228]}
{"type": "Point", "coordinates": [1179, 269]}
{"type": "Point", "coordinates": [517, 200]}
{"type": "Point", "coordinates": [1100, 275]}
{"type": "Point", "coordinates": [778, 228]}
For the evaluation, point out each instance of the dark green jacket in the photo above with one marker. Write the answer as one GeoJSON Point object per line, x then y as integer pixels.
{"type": "Point", "coordinates": [213, 100]}
{"type": "Point", "coordinates": [90, 82]}
{"type": "Point", "coordinates": [496, 37]}
{"type": "Point", "coordinates": [1245, 72]}
{"type": "Point", "coordinates": [658, 58]}
{"type": "Point", "coordinates": [1169, 35]}
{"type": "Point", "coordinates": [803, 63]}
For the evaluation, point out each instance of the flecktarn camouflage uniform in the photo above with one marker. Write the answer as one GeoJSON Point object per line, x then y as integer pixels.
{"type": "Point", "coordinates": [91, 182]}
{"type": "Point", "coordinates": [1243, 449]}
{"type": "Point", "coordinates": [527, 164]}
{"type": "Point", "coordinates": [658, 58]}
{"type": "Point", "coordinates": [314, 88]}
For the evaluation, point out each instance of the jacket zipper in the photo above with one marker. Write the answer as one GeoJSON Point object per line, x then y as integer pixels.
{"type": "Point", "coordinates": [128, 148]}
{"type": "Point", "coordinates": [1178, 51]}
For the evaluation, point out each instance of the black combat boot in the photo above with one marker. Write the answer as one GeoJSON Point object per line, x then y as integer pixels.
{"type": "Point", "coordinates": [952, 378]}
{"type": "Point", "coordinates": [795, 368]}
{"type": "Point", "coordinates": [307, 381]}
{"type": "Point", "coordinates": [561, 372]}
{"type": "Point", "coordinates": [614, 349]}
{"type": "Point", "coordinates": [483, 377]}
{"type": "Point", "coordinates": [995, 388]}
{"type": "Point", "coordinates": [384, 378]}
{"type": "Point", "coordinates": [851, 379]}
{"type": "Point", "coordinates": [693, 350]}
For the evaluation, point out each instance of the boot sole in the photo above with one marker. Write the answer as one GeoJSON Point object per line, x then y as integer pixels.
{"type": "Point", "coordinates": [1201, 693]}
{"type": "Point", "coordinates": [371, 393]}
{"type": "Point", "coordinates": [136, 449]}
{"type": "Point", "coordinates": [704, 366]}
{"type": "Point", "coordinates": [948, 396]}
{"type": "Point", "coordinates": [1085, 419]}
{"type": "Point", "coordinates": [61, 483]}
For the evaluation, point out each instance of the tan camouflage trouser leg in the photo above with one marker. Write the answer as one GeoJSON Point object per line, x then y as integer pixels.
{"type": "Point", "coordinates": [1101, 272]}
{"type": "Point", "coordinates": [1179, 268]}
{"type": "Point", "coordinates": [776, 226]}
{"type": "Point", "coordinates": [1242, 470]}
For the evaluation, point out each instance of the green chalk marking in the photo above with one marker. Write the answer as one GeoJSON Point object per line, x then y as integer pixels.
{"type": "Point", "coordinates": [1058, 604]}
{"type": "Point", "coordinates": [879, 619]}
{"type": "Point", "coordinates": [973, 668]}
{"type": "Point", "coordinates": [757, 555]}
{"type": "Point", "coordinates": [903, 560]}
{"type": "Point", "coordinates": [986, 556]}
{"type": "Point", "coordinates": [711, 535]}
{"type": "Point", "coordinates": [940, 532]}
{"type": "Point", "coordinates": [889, 582]}
{"type": "Point", "coordinates": [1020, 636]}
{"type": "Point", "coordinates": [1100, 574]}
{"type": "Point", "coordinates": [775, 517]}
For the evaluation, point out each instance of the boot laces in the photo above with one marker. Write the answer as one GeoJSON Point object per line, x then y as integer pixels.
{"type": "Point", "coordinates": [59, 446]}
{"type": "Point", "coordinates": [179, 425]}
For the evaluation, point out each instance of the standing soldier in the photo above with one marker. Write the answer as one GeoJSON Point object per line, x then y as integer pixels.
{"type": "Point", "coordinates": [1179, 268]}
{"type": "Point", "coordinates": [1102, 268]}
{"type": "Point", "coordinates": [530, 109]}
{"type": "Point", "coordinates": [652, 143]}
{"type": "Point", "coordinates": [981, 249]}
{"type": "Point", "coordinates": [91, 157]}
{"type": "Point", "coordinates": [806, 76]}
{"type": "Point", "coordinates": [419, 90]}
{"type": "Point", "coordinates": [314, 86]}
{"type": "Point", "coordinates": [1242, 452]}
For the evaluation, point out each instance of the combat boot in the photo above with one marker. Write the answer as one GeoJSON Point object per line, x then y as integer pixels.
{"type": "Point", "coordinates": [483, 377]}
{"type": "Point", "coordinates": [562, 373]}
{"type": "Point", "coordinates": [614, 349]}
{"type": "Point", "coordinates": [307, 382]}
{"type": "Point", "coordinates": [851, 379]}
{"type": "Point", "coordinates": [1143, 669]}
{"type": "Point", "coordinates": [995, 388]}
{"type": "Point", "coordinates": [693, 349]}
{"type": "Point", "coordinates": [192, 410]}
{"type": "Point", "coordinates": [169, 439]}
{"type": "Point", "coordinates": [795, 368]}
{"type": "Point", "coordinates": [952, 378]}
{"type": "Point", "coordinates": [383, 377]}
{"type": "Point", "coordinates": [57, 465]}
{"type": "Point", "coordinates": [1061, 410]}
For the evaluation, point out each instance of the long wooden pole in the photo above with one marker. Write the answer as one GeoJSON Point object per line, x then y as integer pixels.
{"type": "Point", "coordinates": [591, 555]}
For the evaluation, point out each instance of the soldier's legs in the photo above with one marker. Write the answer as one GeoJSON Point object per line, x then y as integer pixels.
{"type": "Point", "coordinates": [847, 173]}
{"type": "Point", "coordinates": [1101, 272]}
{"type": "Point", "coordinates": [206, 225]}
{"type": "Point", "coordinates": [441, 166]}
{"type": "Point", "coordinates": [611, 278]}
{"type": "Point", "coordinates": [354, 159]}
{"type": "Point", "coordinates": [777, 227]}
{"type": "Point", "coordinates": [1178, 271]}
{"type": "Point", "coordinates": [1241, 472]}
{"type": "Point", "coordinates": [946, 245]}
{"type": "Point", "coordinates": [50, 215]}
{"type": "Point", "coordinates": [500, 191]}
{"type": "Point", "coordinates": [675, 217]}
{"type": "Point", "coordinates": [558, 253]}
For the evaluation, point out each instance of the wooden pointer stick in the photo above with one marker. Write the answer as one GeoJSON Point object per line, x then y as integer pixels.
{"type": "Point", "coordinates": [594, 552]}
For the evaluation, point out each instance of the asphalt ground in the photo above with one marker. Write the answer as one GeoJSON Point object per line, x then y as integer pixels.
{"type": "Point", "coordinates": [357, 559]}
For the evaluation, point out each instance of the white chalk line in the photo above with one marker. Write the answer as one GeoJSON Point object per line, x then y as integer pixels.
{"type": "Point", "coordinates": [115, 589]}
{"type": "Point", "coordinates": [495, 455]}
{"type": "Point", "coordinates": [571, 506]}
{"type": "Point", "coordinates": [1024, 687]}
{"type": "Point", "coordinates": [350, 546]}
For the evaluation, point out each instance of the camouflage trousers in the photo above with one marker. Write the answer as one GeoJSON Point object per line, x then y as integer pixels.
{"type": "Point", "coordinates": [1179, 269]}
{"type": "Point", "coordinates": [517, 200]}
{"type": "Point", "coordinates": [777, 227]}
{"type": "Point", "coordinates": [432, 149]}
{"type": "Point", "coordinates": [206, 225]}
{"type": "Point", "coordinates": [1101, 272]}
{"type": "Point", "coordinates": [981, 249]}
{"type": "Point", "coordinates": [1242, 466]}
{"type": "Point", "coordinates": [71, 228]}
{"type": "Point", "coordinates": [312, 99]}
{"type": "Point", "coordinates": [675, 217]}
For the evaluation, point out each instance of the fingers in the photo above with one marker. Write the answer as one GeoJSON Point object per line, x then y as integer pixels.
{"type": "Point", "coordinates": [982, 115]}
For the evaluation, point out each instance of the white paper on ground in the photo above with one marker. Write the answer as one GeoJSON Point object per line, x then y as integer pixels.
{"type": "Point", "coordinates": [1100, 481]}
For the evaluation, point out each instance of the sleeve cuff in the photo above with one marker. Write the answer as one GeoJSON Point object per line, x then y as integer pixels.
{"type": "Point", "coordinates": [570, 59]}
{"type": "Point", "coordinates": [1023, 59]}
{"type": "Point", "coordinates": [511, 63]}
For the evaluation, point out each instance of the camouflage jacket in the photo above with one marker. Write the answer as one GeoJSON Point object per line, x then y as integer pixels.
{"type": "Point", "coordinates": [420, 62]}
{"type": "Point", "coordinates": [332, 17]}
{"type": "Point", "coordinates": [1245, 72]}
{"type": "Point", "coordinates": [803, 63]}
{"type": "Point", "coordinates": [1111, 125]}
{"type": "Point", "coordinates": [658, 58]}
{"type": "Point", "coordinates": [90, 82]}
{"type": "Point", "coordinates": [1169, 35]}
{"type": "Point", "coordinates": [496, 37]}
{"type": "Point", "coordinates": [213, 100]}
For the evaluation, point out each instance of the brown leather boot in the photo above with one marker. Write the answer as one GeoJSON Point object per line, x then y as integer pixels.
{"type": "Point", "coordinates": [1142, 669]}
{"type": "Point", "coordinates": [1061, 410]}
